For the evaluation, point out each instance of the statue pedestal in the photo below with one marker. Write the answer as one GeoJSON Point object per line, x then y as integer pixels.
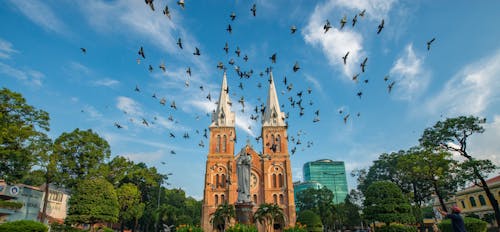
{"type": "Point", "coordinates": [244, 214]}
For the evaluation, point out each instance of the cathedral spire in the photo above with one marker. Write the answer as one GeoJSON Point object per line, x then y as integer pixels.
{"type": "Point", "coordinates": [272, 114]}
{"type": "Point", "coordinates": [223, 116]}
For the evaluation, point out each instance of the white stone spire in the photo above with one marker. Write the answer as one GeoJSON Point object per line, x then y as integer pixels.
{"type": "Point", "coordinates": [223, 116]}
{"type": "Point", "coordinates": [272, 114]}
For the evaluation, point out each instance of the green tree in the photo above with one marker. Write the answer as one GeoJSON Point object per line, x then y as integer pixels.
{"type": "Point", "coordinates": [385, 203]}
{"type": "Point", "coordinates": [451, 135]}
{"type": "Point", "coordinates": [320, 201]}
{"type": "Point", "coordinates": [94, 200]}
{"type": "Point", "coordinates": [131, 207]}
{"type": "Point", "coordinates": [222, 216]}
{"type": "Point", "coordinates": [268, 214]}
{"type": "Point", "coordinates": [81, 154]}
{"type": "Point", "coordinates": [20, 125]}
{"type": "Point", "coordinates": [311, 220]}
{"type": "Point", "coordinates": [348, 213]}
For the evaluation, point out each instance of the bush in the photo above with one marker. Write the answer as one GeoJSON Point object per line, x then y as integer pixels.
{"type": "Point", "coordinates": [397, 228]}
{"type": "Point", "coordinates": [10, 204]}
{"type": "Point", "coordinates": [188, 228]}
{"type": "Point", "coordinates": [297, 228]}
{"type": "Point", "coordinates": [242, 228]}
{"type": "Point", "coordinates": [311, 220]}
{"type": "Point", "coordinates": [23, 226]}
{"type": "Point", "coordinates": [56, 227]}
{"type": "Point", "coordinates": [471, 224]}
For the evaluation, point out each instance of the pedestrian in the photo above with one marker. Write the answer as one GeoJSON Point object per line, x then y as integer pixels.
{"type": "Point", "coordinates": [457, 222]}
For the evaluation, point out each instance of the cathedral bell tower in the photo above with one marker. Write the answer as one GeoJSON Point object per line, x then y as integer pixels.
{"type": "Point", "coordinates": [220, 173]}
{"type": "Point", "coordinates": [277, 170]}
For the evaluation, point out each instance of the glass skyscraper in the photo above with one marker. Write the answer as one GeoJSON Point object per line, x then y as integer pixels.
{"type": "Point", "coordinates": [329, 173]}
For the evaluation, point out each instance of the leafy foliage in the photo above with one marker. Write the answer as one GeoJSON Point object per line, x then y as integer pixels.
{"type": "Point", "coordinates": [242, 228]}
{"type": "Point", "coordinates": [311, 220]}
{"type": "Point", "coordinates": [267, 214]}
{"type": "Point", "coordinates": [397, 228]}
{"type": "Point", "coordinates": [385, 203]}
{"type": "Point", "coordinates": [93, 201]}
{"type": "Point", "coordinates": [23, 226]}
{"type": "Point", "coordinates": [222, 216]}
{"type": "Point", "coordinates": [188, 228]}
{"type": "Point", "coordinates": [129, 200]}
{"type": "Point", "coordinates": [471, 224]}
{"type": "Point", "coordinates": [20, 125]}
{"type": "Point", "coordinates": [320, 201]}
{"type": "Point", "coordinates": [10, 204]}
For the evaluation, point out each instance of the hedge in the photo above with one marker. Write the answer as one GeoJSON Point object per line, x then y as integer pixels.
{"type": "Point", "coordinates": [397, 228]}
{"type": "Point", "coordinates": [10, 204]}
{"type": "Point", "coordinates": [471, 224]}
{"type": "Point", "coordinates": [23, 226]}
{"type": "Point", "coordinates": [242, 228]}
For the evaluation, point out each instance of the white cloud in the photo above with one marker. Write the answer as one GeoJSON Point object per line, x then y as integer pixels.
{"type": "Point", "coordinates": [409, 74]}
{"type": "Point", "coordinates": [129, 106]}
{"type": "Point", "coordinates": [470, 91]}
{"type": "Point", "coordinates": [92, 112]}
{"type": "Point", "coordinates": [314, 81]}
{"type": "Point", "coordinates": [375, 9]}
{"type": "Point", "coordinates": [106, 82]}
{"type": "Point", "coordinates": [485, 145]}
{"type": "Point", "coordinates": [29, 76]}
{"type": "Point", "coordinates": [6, 49]}
{"type": "Point", "coordinates": [40, 13]}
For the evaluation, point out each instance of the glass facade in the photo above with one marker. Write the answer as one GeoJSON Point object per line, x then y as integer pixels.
{"type": "Point", "coordinates": [330, 174]}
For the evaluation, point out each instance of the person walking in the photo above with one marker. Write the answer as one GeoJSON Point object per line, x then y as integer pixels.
{"type": "Point", "coordinates": [457, 222]}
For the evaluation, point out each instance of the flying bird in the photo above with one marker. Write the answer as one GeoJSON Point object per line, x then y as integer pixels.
{"type": "Point", "coordinates": [141, 53]}
{"type": "Point", "coordinates": [150, 68]}
{"type": "Point", "coordinates": [238, 51]}
{"type": "Point", "coordinates": [245, 58]}
{"type": "Point", "coordinates": [188, 71]}
{"type": "Point", "coordinates": [386, 78]}
{"type": "Point", "coordinates": [196, 51]}
{"type": "Point", "coordinates": [362, 13]}
{"type": "Point", "coordinates": [345, 118]}
{"type": "Point", "coordinates": [343, 21]}
{"type": "Point", "coordinates": [359, 94]}
{"type": "Point", "coordinates": [118, 125]}
{"type": "Point", "coordinates": [220, 65]}
{"type": "Point", "coordinates": [354, 20]}
{"type": "Point", "coordinates": [173, 106]}
{"type": "Point", "coordinates": [296, 67]}
{"type": "Point", "coordinates": [150, 3]}
{"type": "Point", "coordinates": [181, 3]}
{"type": "Point", "coordinates": [389, 87]}
{"type": "Point", "coordinates": [226, 48]}
{"type": "Point", "coordinates": [137, 88]}
{"type": "Point", "coordinates": [145, 122]}
{"type": "Point", "coordinates": [363, 64]}
{"type": "Point", "coordinates": [327, 26]}
{"type": "Point", "coordinates": [429, 43]}
{"type": "Point", "coordinates": [232, 16]}
{"type": "Point", "coordinates": [380, 27]}
{"type": "Point", "coordinates": [166, 12]}
{"type": "Point", "coordinates": [179, 43]}
{"type": "Point", "coordinates": [254, 9]}
{"type": "Point", "coordinates": [273, 59]}
{"type": "Point", "coordinates": [293, 29]}
{"type": "Point", "coordinates": [229, 28]}
{"type": "Point", "coordinates": [345, 58]}
{"type": "Point", "coordinates": [84, 50]}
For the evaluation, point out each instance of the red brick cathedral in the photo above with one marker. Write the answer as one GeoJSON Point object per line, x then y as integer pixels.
{"type": "Point", "coordinates": [271, 173]}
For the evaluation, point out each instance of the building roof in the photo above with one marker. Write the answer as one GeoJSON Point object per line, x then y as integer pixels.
{"type": "Point", "coordinates": [223, 116]}
{"type": "Point", "coordinates": [272, 114]}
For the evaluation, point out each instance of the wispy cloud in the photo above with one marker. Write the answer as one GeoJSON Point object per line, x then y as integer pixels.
{"type": "Point", "coordinates": [29, 76]}
{"type": "Point", "coordinates": [410, 76]}
{"type": "Point", "coordinates": [106, 82]}
{"type": "Point", "coordinates": [314, 81]}
{"type": "Point", "coordinates": [470, 91]}
{"type": "Point", "coordinates": [41, 14]}
{"type": "Point", "coordinates": [92, 112]}
{"type": "Point", "coordinates": [129, 106]}
{"type": "Point", "coordinates": [485, 145]}
{"type": "Point", "coordinates": [6, 49]}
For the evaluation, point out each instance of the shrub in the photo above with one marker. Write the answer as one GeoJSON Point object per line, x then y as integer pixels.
{"type": "Point", "coordinates": [471, 224]}
{"type": "Point", "coordinates": [56, 227]}
{"type": "Point", "coordinates": [297, 228]}
{"type": "Point", "coordinates": [188, 228]}
{"type": "Point", "coordinates": [23, 226]}
{"type": "Point", "coordinates": [397, 228]}
{"type": "Point", "coordinates": [242, 228]}
{"type": "Point", "coordinates": [10, 204]}
{"type": "Point", "coordinates": [311, 220]}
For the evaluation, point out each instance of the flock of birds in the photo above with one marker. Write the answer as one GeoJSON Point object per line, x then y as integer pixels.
{"type": "Point", "coordinates": [297, 101]}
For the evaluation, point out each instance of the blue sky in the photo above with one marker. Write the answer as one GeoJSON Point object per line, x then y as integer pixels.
{"type": "Point", "coordinates": [40, 57]}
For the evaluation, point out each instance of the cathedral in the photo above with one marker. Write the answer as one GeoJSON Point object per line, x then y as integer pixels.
{"type": "Point", "coordinates": [270, 170]}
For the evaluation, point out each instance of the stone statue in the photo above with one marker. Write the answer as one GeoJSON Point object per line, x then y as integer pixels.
{"type": "Point", "coordinates": [243, 167]}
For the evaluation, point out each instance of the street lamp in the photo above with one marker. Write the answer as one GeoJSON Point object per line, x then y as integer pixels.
{"type": "Point", "coordinates": [334, 184]}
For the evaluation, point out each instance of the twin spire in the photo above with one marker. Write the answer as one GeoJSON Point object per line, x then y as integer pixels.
{"type": "Point", "coordinates": [224, 117]}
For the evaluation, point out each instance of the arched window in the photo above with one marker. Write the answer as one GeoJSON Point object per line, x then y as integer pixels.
{"type": "Point", "coordinates": [274, 181]}
{"type": "Point", "coordinates": [217, 180]}
{"type": "Point", "coordinates": [272, 141]}
{"type": "Point", "coordinates": [223, 180]}
{"type": "Point", "coordinates": [481, 200]}
{"type": "Point", "coordinates": [222, 199]}
{"type": "Point", "coordinates": [224, 143]}
{"type": "Point", "coordinates": [280, 180]}
{"type": "Point", "coordinates": [216, 199]}
{"type": "Point", "coordinates": [282, 200]}
{"type": "Point", "coordinates": [278, 143]}
{"type": "Point", "coordinates": [275, 199]}
{"type": "Point", "coordinates": [255, 198]}
{"type": "Point", "coordinates": [463, 204]}
{"type": "Point", "coordinates": [472, 201]}
{"type": "Point", "coordinates": [217, 144]}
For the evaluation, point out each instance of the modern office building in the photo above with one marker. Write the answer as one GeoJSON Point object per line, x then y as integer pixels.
{"type": "Point", "coordinates": [30, 197]}
{"type": "Point", "coordinates": [330, 174]}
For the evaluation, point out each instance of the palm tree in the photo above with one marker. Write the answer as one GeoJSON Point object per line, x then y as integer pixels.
{"type": "Point", "coordinates": [222, 216]}
{"type": "Point", "coordinates": [267, 214]}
